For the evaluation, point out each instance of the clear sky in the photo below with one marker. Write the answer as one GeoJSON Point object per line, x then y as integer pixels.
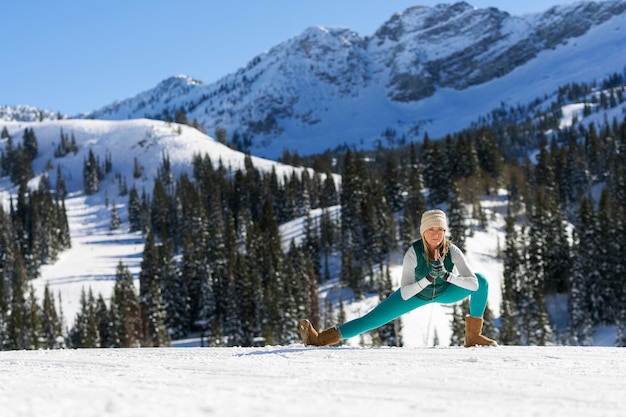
{"type": "Point", "coordinates": [73, 56]}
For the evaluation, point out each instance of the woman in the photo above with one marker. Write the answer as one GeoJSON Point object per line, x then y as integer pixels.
{"type": "Point", "coordinates": [427, 277]}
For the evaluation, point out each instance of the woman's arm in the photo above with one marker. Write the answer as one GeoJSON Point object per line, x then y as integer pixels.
{"type": "Point", "coordinates": [466, 277]}
{"type": "Point", "coordinates": [408, 286]}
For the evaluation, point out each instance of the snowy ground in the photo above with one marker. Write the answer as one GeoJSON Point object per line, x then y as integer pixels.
{"type": "Point", "coordinates": [299, 381]}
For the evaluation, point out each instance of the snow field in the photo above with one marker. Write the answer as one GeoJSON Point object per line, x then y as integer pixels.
{"type": "Point", "coordinates": [303, 381]}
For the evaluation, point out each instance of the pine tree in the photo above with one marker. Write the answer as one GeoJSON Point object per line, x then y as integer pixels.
{"type": "Point", "coordinates": [248, 287]}
{"type": "Point", "coordinates": [232, 321]}
{"type": "Point", "coordinates": [466, 163]}
{"type": "Point", "coordinates": [175, 294]}
{"type": "Point", "coordinates": [85, 332]}
{"type": "Point", "coordinates": [115, 218]}
{"type": "Point", "coordinates": [7, 261]}
{"type": "Point", "coordinates": [61, 186]}
{"type": "Point", "coordinates": [62, 226]}
{"type": "Point", "coordinates": [220, 257]}
{"type": "Point", "coordinates": [195, 268]}
{"type": "Point", "coordinates": [104, 323]}
{"type": "Point", "coordinates": [269, 258]}
{"type": "Point", "coordinates": [91, 179]}
{"type": "Point", "coordinates": [8, 157]}
{"type": "Point", "coordinates": [50, 322]}
{"type": "Point", "coordinates": [329, 196]}
{"type": "Point", "coordinates": [328, 236]}
{"type": "Point", "coordinates": [18, 318]}
{"type": "Point", "coordinates": [292, 300]}
{"type": "Point", "coordinates": [607, 258]}
{"type": "Point", "coordinates": [514, 270]}
{"type": "Point", "coordinates": [536, 325]}
{"type": "Point", "coordinates": [206, 319]}
{"type": "Point", "coordinates": [126, 303]}
{"type": "Point", "coordinates": [407, 228]}
{"type": "Point", "coordinates": [440, 179]}
{"type": "Point", "coordinates": [31, 146]}
{"type": "Point", "coordinates": [558, 257]}
{"type": "Point", "coordinates": [579, 302]}
{"type": "Point", "coordinates": [33, 322]}
{"type": "Point", "coordinates": [150, 298]}
{"type": "Point", "coordinates": [393, 184]}
{"type": "Point", "coordinates": [160, 214]}
{"type": "Point", "coordinates": [135, 211]}
{"type": "Point", "coordinates": [456, 218]}
{"type": "Point", "coordinates": [489, 156]}
{"type": "Point", "coordinates": [353, 198]}
{"type": "Point", "coordinates": [620, 268]}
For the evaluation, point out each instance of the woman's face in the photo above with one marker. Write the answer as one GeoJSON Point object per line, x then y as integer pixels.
{"type": "Point", "coordinates": [434, 236]}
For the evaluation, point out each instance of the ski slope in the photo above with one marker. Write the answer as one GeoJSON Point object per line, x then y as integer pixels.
{"type": "Point", "coordinates": [298, 381]}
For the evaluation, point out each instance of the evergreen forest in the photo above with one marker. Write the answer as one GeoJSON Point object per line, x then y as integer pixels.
{"type": "Point", "coordinates": [213, 263]}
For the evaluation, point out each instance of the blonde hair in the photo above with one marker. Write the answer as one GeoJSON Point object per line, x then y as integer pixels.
{"type": "Point", "coordinates": [443, 249]}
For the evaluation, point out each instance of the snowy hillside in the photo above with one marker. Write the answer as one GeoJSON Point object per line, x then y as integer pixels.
{"type": "Point", "coordinates": [147, 141]}
{"type": "Point", "coordinates": [298, 381]}
{"type": "Point", "coordinates": [96, 250]}
{"type": "Point", "coordinates": [22, 113]}
{"type": "Point", "coordinates": [432, 70]}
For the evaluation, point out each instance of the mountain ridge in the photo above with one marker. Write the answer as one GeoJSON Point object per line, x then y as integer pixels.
{"type": "Point", "coordinates": [426, 69]}
{"type": "Point", "coordinates": [332, 83]}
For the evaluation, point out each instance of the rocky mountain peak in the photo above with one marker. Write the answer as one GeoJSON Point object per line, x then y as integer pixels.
{"type": "Point", "coordinates": [333, 83]}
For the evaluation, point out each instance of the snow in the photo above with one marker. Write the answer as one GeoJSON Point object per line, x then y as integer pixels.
{"type": "Point", "coordinates": [571, 112]}
{"type": "Point", "coordinates": [298, 381]}
{"type": "Point", "coordinates": [126, 140]}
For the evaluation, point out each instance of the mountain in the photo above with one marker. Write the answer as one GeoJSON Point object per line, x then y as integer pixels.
{"type": "Point", "coordinates": [124, 142]}
{"type": "Point", "coordinates": [427, 69]}
{"type": "Point", "coordinates": [24, 113]}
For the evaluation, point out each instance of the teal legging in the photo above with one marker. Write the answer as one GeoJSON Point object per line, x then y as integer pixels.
{"type": "Point", "coordinates": [394, 306]}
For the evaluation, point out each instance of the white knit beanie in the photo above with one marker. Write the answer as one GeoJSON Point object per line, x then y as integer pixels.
{"type": "Point", "coordinates": [433, 218]}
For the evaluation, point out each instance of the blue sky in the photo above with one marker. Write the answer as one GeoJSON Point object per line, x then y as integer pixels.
{"type": "Point", "coordinates": [73, 56]}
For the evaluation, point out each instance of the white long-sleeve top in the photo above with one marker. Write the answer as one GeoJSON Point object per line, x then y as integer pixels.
{"type": "Point", "coordinates": [461, 276]}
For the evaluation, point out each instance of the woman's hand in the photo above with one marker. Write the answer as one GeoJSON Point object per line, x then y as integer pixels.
{"type": "Point", "coordinates": [437, 270]}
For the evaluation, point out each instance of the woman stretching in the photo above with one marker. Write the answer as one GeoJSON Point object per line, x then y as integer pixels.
{"type": "Point", "coordinates": [427, 277]}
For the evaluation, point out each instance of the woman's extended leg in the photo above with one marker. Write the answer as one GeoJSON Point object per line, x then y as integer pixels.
{"type": "Point", "coordinates": [390, 308]}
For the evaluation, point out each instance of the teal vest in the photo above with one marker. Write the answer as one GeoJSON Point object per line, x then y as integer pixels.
{"type": "Point", "coordinates": [423, 268]}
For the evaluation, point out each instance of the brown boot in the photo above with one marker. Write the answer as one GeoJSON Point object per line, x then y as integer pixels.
{"type": "Point", "coordinates": [310, 336]}
{"type": "Point", "coordinates": [473, 333]}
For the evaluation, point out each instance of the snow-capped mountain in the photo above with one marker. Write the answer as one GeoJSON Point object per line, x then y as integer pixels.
{"type": "Point", "coordinates": [23, 113]}
{"type": "Point", "coordinates": [128, 144]}
{"type": "Point", "coordinates": [427, 69]}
